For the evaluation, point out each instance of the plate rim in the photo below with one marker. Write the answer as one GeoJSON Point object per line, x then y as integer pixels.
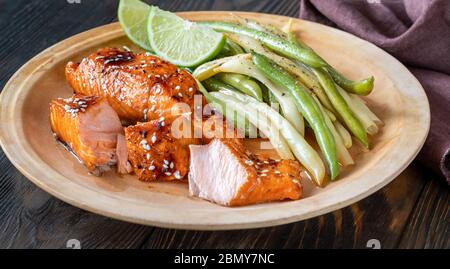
{"type": "Point", "coordinates": [174, 222]}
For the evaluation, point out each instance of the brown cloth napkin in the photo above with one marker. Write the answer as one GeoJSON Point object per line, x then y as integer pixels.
{"type": "Point", "coordinates": [417, 32]}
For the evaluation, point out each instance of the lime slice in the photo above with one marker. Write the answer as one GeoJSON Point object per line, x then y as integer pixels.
{"type": "Point", "coordinates": [182, 42]}
{"type": "Point", "coordinates": [133, 17]}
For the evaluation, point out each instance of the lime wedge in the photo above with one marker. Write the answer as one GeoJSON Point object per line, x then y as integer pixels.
{"type": "Point", "coordinates": [182, 42]}
{"type": "Point", "coordinates": [133, 16]}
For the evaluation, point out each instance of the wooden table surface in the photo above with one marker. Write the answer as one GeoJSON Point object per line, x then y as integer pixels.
{"type": "Point", "coordinates": [411, 212]}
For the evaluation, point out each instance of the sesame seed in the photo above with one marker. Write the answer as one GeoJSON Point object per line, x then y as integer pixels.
{"type": "Point", "coordinates": [249, 162]}
{"type": "Point", "coordinates": [146, 147]}
{"type": "Point", "coordinates": [148, 156]}
{"type": "Point", "coordinates": [177, 87]}
{"type": "Point", "coordinates": [177, 174]}
{"type": "Point", "coordinates": [166, 161]}
{"type": "Point", "coordinates": [171, 165]}
{"type": "Point", "coordinates": [277, 172]}
{"type": "Point", "coordinates": [190, 89]}
{"type": "Point", "coordinates": [180, 94]}
{"type": "Point", "coordinates": [153, 138]}
{"type": "Point", "coordinates": [265, 171]}
{"type": "Point", "coordinates": [263, 175]}
{"type": "Point", "coordinates": [165, 166]}
{"type": "Point", "coordinates": [168, 173]}
{"type": "Point", "coordinates": [151, 168]}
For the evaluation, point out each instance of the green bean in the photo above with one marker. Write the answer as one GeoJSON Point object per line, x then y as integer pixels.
{"type": "Point", "coordinates": [345, 135]}
{"type": "Point", "coordinates": [229, 49]}
{"type": "Point", "coordinates": [272, 41]}
{"type": "Point", "coordinates": [259, 26]}
{"type": "Point", "coordinates": [307, 106]}
{"type": "Point", "coordinates": [236, 119]}
{"type": "Point", "coordinates": [329, 113]}
{"type": "Point", "coordinates": [344, 156]}
{"type": "Point", "coordinates": [265, 93]}
{"type": "Point", "coordinates": [242, 64]}
{"type": "Point", "coordinates": [269, 98]}
{"type": "Point", "coordinates": [362, 87]}
{"type": "Point", "coordinates": [362, 112]}
{"type": "Point", "coordinates": [307, 156]}
{"type": "Point", "coordinates": [293, 38]}
{"type": "Point", "coordinates": [302, 72]}
{"type": "Point", "coordinates": [242, 83]}
{"type": "Point", "coordinates": [225, 52]}
{"type": "Point", "coordinates": [354, 105]}
{"type": "Point", "coordinates": [234, 48]}
{"type": "Point", "coordinates": [215, 84]}
{"type": "Point", "coordinates": [273, 101]}
{"type": "Point", "coordinates": [360, 103]}
{"type": "Point", "coordinates": [339, 104]}
{"type": "Point", "coordinates": [269, 130]}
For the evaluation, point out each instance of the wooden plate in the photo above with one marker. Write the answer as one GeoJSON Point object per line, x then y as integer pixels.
{"type": "Point", "coordinates": [398, 99]}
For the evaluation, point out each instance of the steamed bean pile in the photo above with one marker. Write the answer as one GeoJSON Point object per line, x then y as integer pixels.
{"type": "Point", "coordinates": [260, 66]}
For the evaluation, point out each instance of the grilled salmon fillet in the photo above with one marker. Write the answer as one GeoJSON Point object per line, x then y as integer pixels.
{"type": "Point", "coordinates": [155, 153]}
{"type": "Point", "coordinates": [91, 129]}
{"type": "Point", "coordinates": [225, 173]}
{"type": "Point", "coordinates": [159, 149]}
{"type": "Point", "coordinates": [139, 87]}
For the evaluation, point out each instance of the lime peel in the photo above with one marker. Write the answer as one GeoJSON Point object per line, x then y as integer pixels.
{"type": "Point", "coordinates": [182, 42]}
{"type": "Point", "coordinates": [133, 16]}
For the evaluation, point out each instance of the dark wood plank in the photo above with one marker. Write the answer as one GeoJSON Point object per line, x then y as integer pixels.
{"type": "Point", "coordinates": [381, 216]}
{"type": "Point", "coordinates": [31, 26]}
{"type": "Point", "coordinates": [429, 225]}
{"type": "Point", "coordinates": [31, 218]}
